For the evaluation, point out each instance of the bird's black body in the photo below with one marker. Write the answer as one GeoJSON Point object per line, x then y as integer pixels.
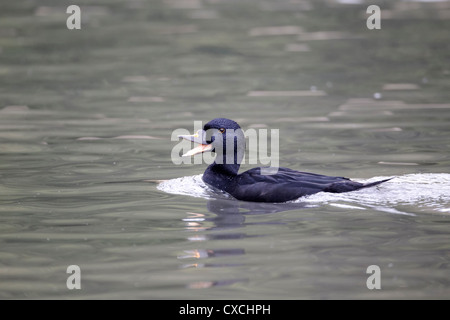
{"type": "Point", "coordinates": [285, 185]}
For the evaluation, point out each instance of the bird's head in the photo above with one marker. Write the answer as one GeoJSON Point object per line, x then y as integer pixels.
{"type": "Point", "coordinates": [222, 136]}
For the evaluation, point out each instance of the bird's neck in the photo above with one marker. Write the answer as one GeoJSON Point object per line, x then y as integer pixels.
{"type": "Point", "coordinates": [221, 176]}
{"type": "Point", "coordinates": [227, 169]}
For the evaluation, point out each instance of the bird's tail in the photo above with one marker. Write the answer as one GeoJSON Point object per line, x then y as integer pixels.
{"type": "Point", "coordinates": [348, 185]}
{"type": "Point", "coordinates": [371, 184]}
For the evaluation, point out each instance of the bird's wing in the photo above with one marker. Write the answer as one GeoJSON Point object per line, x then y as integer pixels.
{"type": "Point", "coordinates": [287, 175]}
{"type": "Point", "coordinates": [285, 185]}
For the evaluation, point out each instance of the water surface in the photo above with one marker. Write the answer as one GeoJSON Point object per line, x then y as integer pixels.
{"type": "Point", "coordinates": [86, 177]}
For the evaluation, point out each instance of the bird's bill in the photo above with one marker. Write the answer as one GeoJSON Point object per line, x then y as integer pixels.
{"type": "Point", "coordinates": [198, 137]}
{"type": "Point", "coordinates": [200, 149]}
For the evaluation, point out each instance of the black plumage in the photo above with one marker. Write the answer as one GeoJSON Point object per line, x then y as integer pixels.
{"type": "Point", "coordinates": [285, 185]}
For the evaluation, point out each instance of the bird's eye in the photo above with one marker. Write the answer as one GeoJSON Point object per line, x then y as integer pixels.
{"type": "Point", "coordinates": [222, 130]}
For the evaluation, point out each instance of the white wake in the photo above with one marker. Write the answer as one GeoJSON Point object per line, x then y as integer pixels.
{"type": "Point", "coordinates": [407, 194]}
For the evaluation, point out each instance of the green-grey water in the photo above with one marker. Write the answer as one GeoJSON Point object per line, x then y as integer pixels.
{"type": "Point", "coordinates": [87, 179]}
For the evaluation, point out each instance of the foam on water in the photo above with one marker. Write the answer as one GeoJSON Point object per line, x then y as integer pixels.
{"type": "Point", "coordinates": [421, 192]}
{"type": "Point", "coordinates": [190, 186]}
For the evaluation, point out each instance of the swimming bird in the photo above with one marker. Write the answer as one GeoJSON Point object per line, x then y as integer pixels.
{"type": "Point", "coordinates": [226, 138]}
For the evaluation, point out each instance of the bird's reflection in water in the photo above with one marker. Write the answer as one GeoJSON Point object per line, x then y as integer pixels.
{"type": "Point", "coordinates": [230, 214]}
